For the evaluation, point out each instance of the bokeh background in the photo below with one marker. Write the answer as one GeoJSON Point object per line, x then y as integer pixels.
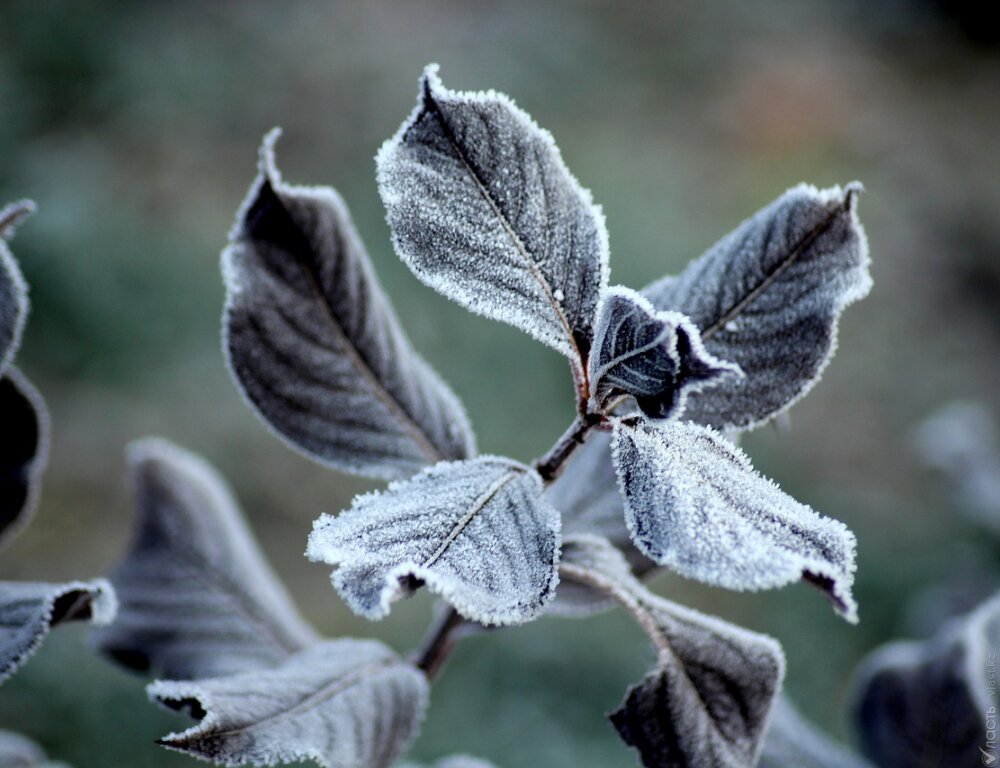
{"type": "Point", "coordinates": [135, 127]}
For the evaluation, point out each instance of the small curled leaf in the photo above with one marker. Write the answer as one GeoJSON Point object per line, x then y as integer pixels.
{"type": "Point", "coordinates": [13, 289]}
{"type": "Point", "coordinates": [768, 297]}
{"type": "Point", "coordinates": [23, 451]}
{"type": "Point", "coordinates": [655, 357]}
{"type": "Point", "coordinates": [483, 210]}
{"type": "Point", "coordinates": [197, 596]}
{"type": "Point", "coordinates": [29, 610]}
{"type": "Point", "coordinates": [478, 532]}
{"type": "Point", "coordinates": [694, 503]}
{"type": "Point", "coordinates": [341, 703]}
{"type": "Point", "coordinates": [315, 345]}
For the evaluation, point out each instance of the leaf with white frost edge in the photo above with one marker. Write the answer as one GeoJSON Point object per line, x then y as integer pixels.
{"type": "Point", "coordinates": [315, 345]}
{"type": "Point", "coordinates": [13, 289]}
{"type": "Point", "coordinates": [29, 610]}
{"type": "Point", "coordinates": [197, 596]}
{"type": "Point", "coordinates": [483, 210]}
{"type": "Point", "coordinates": [17, 751]}
{"type": "Point", "coordinates": [912, 700]}
{"type": "Point", "coordinates": [707, 703]}
{"type": "Point", "coordinates": [768, 297]}
{"type": "Point", "coordinates": [342, 703]}
{"type": "Point", "coordinates": [792, 742]}
{"type": "Point", "coordinates": [479, 533]}
{"type": "Point", "coordinates": [24, 447]}
{"type": "Point", "coordinates": [655, 357]}
{"type": "Point", "coordinates": [694, 503]}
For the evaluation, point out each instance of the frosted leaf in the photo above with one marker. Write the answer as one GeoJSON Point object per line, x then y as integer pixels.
{"type": "Point", "coordinates": [341, 703]}
{"type": "Point", "coordinates": [28, 610]}
{"type": "Point", "coordinates": [484, 211]}
{"type": "Point", "coordinates": [694, 503]}
{"type": "Point", "coordinates": [707, 702]}
{"type": "Point", "coordinates": [23, 451]}
{"type": "Point", "coordinates": [479, 533]}
{"type": "Point", "coordinates": [914, 699]}
{"type": "Point", "coordinates": [455, 761]}
{"type": "Point", "coordinates": [17, 751]}
{"type": "Point", "coordinates": [315, 345]}
{"type": "Point", "coordinates": [792, 742]}
{"type": "Point", "coordinates": [13, 290]}
{"type": "Point", "coordinates": [768, 297]}
{"type": "Point", "coordinates": [198, 598]}
{"type": "Point", "coordinates": [655, 357]}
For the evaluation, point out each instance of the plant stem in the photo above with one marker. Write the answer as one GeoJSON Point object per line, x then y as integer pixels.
{"type": "Point", "coordinates": [551, 465]}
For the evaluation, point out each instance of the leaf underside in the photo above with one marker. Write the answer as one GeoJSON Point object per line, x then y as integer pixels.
{"type": "Point", "coordinates": [342, 703]}
{"type": "Point", "coordinates": [479, 533]}
{"type": "Point", "coordinates": [29, 610]}
{"type": "Point", "coordinates": [23, 451]}
{"type": "Point", "coordinates": [197, 596]}
{"type": "Point", "coordinates": [694, 503]}
{"type": "Point", "coordinates": [315, 345]}
{"type": "Point", "coordinates": [768, 297]}
{"type": "Point", "coordinates": [483, 209]}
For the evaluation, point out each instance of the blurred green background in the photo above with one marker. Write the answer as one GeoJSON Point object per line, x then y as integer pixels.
{"type": "Point", "coordinates": [135, 127]}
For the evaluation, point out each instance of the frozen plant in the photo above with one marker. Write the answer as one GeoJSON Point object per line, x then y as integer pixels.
{"type": "Point", "coordinates": [483, 209]}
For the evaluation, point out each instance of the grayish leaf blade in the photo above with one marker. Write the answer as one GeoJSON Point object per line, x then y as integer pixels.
{"type": "Point", "coordinates": [927, 703]}
{"type": "Point", "coordinates": [29, 610]}
{"type": "Point", "coordinates": [342, 703]}
{"type": "Point", "coordinates": [198, 598]}
{"type": "Point", "coordinates": [24, 448]}
{"type": "Point", "coordinates": [483, 210]}
{"type": "Point", "coordinates": [479, 533]}
{"type": "Point", "coordinates": [707, 703]}
{"type": "Point", "coordinates": [17, 751]}
{"type": "Point", "coordinates": [315, 345]}
{"type": "Point", "coordinates": [13, 289]}
{"type": "Point", "coordinates": [792, 742]}
{"type": "Point", "coordinates": [768, 297]}
{"type": "Point", "coordinates": [656, 357]}
{"type": "Point", "coordinates": [694, 503]}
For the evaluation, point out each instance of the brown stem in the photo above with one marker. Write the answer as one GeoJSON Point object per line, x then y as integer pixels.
{"type": "Point", "coordinates": [439, 643]}
{"type": "Point", "coordinates": [551, 465]}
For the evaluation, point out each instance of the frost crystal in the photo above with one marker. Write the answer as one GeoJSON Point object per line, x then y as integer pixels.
{"type": "Point", "coordinates": [13, 291]}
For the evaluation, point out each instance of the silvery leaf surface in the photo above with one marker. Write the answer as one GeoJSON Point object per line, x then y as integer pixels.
{"type": "Point", "coordinates": [17, 751]}
{"type": "Point", "coordinates": [198, 598]}
{"type": "Point", "coordinates": [29, 610]}
{"type": "Point", "coordinates": [23, 451]}
{"type": "Point", "coordinates": [792, 742]}
{"type": "Point", "coordinates": [768, 297]}
{"type": "Point", "coordinates": [341, 703]}
{"type": "Point", "coordinates": [707, 702]}
{"type": "Point", "coordinates": [479, 533]}
{"type": "Point", "coordinates": [315, 345]}
{"type": "Point", "coordinates": [655, 357]}
{"type": "Point", "coordinates": [694, 503]}
{"type": "Point", "coordinates": [918, 704]}
{"type": "Point", "coordinates": [483, 209]}
{"type": "Point", "coordinates": [13, 289]}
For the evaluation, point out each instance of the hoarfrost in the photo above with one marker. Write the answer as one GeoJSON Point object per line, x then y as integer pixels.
{"type": "Point", "coordinates": [315, 345]}
{"type": "Point", "coordinates": [198, 598]}
{"type": "Point", "coordinates": [483, 209]}
{"type": "Point", "coordinates": [478, 532]}
{"type": "Point", "coordinates": [13, 290]}
{"type": "Point", "coordinates": [694, 503]}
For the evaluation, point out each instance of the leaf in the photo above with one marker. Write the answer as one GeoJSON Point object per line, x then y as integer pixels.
{"type": "Point", "coordinates": [17, 751]}
{"type": "Point", "coordinates": [707, 702]}
{"type": "Point", "coordinates": [768, 297]}
{"type": "Point", "coordinates": [23, 451]}
{"type": "Point", "coordinates": [791, 742]}
{"type": "Point", "coordinates": [655, 357]}
{"type": "Point", "coordinates": [484, 211]}
{"type": "Point", "coordinates": [342, 703]}
{"type": "Point", "coordinates": [28, 610]}
{"type": "Point", "coordinates": [455, 761]}
{"type": "Point", "coordinates": [918, 704]}
{"type": "Point", "coordinates": [315, 345]}
{"type": "Point", "coordinates": [694, 503]}
{"type": "Point", "coordinates": [198, 598]}
{"type": "Point", "coordinates": [479, 533]}
{"type": "Point", "coordinates": [13, 289]}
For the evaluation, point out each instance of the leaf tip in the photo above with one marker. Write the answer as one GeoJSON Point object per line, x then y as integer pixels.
{"type": "Point", "coordinates": [12, 215]}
